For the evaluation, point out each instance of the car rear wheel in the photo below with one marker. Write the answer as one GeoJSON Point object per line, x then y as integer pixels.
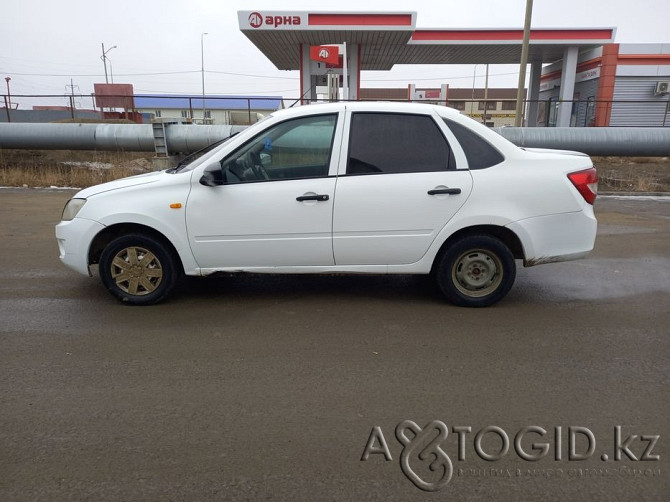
{"type": "Point", "coordinates": [137, 269]}
{"type": "Point", "coordinates": [476, 271]}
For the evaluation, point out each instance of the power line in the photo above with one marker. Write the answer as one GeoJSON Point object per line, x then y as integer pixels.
{"type": "Point", "coordinates": [245, 75]}
{"type": "Point", "coordinates": [149, 74]}
{"type": "Point", "coordinates": [190, 93]}
{"type": "Point", "coordinates": [98, 75]}
{"type": "Point", "coordinates": [249, 75]}
{"type": "Point", "coordinates": [434, 78]}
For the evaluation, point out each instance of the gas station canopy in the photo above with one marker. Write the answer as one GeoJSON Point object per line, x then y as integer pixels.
{"type": "Point", "coordinates": [390, 38]}
{"type": "Point", "coordinates": [380, 40]}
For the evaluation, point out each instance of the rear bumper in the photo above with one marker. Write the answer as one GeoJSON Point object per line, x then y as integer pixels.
{"type": "Point", "coordinates": [74, 240]}
{"type": "Point", "coordinates": [557, 237]}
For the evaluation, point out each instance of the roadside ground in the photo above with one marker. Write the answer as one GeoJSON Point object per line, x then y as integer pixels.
{"type": "Point", "coordinates": [80, 169]}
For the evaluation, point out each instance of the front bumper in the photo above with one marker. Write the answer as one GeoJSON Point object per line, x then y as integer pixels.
{"type": "Point", "coordinates": [74, 240]}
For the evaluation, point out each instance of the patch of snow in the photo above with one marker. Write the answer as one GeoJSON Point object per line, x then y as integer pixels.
{"type": "Point", "coordinates": [89, 165]}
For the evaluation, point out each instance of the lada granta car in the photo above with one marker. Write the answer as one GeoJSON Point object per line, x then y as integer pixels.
{"type": "Point", "coordinates": [378, 188]}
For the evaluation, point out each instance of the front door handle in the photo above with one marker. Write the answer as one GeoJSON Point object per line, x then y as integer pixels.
{"type": "Point", "coordinates": [449, 191]}
{"type": "Point", "coordinates": [317, 197]}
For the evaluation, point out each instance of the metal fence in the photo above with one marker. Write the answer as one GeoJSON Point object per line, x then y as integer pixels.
{"type": "Point", "coordinates": [221, 110]}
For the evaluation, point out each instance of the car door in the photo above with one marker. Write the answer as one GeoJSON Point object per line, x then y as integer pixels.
{"type": "Point", "coordinates": [399, 185]}
{"type": "Point", "coordinates": [272, 202]}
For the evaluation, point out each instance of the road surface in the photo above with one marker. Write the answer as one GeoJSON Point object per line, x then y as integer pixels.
{"type": "Point", "coordinates": [259, 387]}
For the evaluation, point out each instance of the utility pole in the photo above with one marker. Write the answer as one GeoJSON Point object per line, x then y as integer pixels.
{"type": "Point", "coordinates": [104, 62]}
{"type": "Point", "coordinates": [202, 61]}
{"type": "Point", "coordinates": [72, 86]}
{"type": "Point", "coordinates": [472, 101]}
{"type": "Point", "coordinates": [486, 94]}
{"type": "Point", "coordinates": [518, 119]}
{"type": "Point", "coordinates": [105, 59]}
{"type": "Point", "coordinates": [9, 94]}
{"type": "Point", "coordinates": [8, 100]}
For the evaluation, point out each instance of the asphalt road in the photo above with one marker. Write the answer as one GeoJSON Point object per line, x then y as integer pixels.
{"type": "Point", "coordinates": [258, 387]}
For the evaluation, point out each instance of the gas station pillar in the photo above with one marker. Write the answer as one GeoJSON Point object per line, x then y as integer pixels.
{"type": "Point", "coordinates": [307, 87]}
{"type": "Point", "coordinates": [567, 89]}
{"type": "Point", "coordinates": [354, 70]}
{"type": "Point", "coordinates": [533, 94]}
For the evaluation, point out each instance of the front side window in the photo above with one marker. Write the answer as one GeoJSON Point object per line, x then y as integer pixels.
{"type": "Point", "coordinates": [298, 148]}
{"type": "Point", "coordinates": [397, 143]}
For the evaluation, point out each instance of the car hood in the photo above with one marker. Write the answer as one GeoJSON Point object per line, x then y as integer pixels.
{"type": "Point", "coordinates": [140, 179]}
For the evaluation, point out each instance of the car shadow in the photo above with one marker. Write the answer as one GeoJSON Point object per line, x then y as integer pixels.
{"type": "Point", "coordinates": [274, 286]}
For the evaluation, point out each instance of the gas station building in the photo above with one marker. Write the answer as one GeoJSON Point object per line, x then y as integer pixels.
{"type": "Point", "coordinates": [379, 40]}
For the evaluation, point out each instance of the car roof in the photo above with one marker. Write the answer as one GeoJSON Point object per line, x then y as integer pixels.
{"type": "Point", "coordinates": [380, 106]}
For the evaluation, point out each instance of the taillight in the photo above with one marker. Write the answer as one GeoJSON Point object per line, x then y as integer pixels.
{"type": "Point", "coordinates": [586, 182]}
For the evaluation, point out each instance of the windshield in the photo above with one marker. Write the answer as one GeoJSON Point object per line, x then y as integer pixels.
{"type": "Point", "coordinates": [193, 159]}
{"type": "Point", "coordinates": [197, 154]}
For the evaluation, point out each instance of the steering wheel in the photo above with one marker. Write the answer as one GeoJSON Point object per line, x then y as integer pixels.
{"type": "Point", "coordinates": [257, 166]}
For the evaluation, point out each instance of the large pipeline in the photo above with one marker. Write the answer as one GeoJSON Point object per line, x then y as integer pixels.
{"type": "Point", "coordinates": [619, 141]}
{"type": "Point", "coordinates": [126, 137]}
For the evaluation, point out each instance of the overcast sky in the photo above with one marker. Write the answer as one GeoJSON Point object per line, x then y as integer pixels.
{"type": "Point", "coordinates": [45, 43]}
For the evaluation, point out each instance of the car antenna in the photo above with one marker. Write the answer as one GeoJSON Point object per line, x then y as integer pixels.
{"type": "Point", "coordinates": [300, 98]}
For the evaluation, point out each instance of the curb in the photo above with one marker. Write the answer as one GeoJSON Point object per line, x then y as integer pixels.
{"type": "Point", "coordinates": [633, 194]}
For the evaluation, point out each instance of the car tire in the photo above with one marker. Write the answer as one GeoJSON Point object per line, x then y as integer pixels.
{"type": "Point", "coordinates": [476, 271]}
{"type": "Point", "coordinates": [137, 269]}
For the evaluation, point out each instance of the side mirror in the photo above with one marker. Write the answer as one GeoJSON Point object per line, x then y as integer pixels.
{"type": "Point", "coordinates": [212, 176]}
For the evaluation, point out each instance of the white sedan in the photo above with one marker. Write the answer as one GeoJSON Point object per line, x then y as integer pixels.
{"type": "Point", "coordinates": [378, 188]}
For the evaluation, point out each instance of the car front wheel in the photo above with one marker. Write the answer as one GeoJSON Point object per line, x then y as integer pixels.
{"type": "Point", "coordinates": [137, 269]}
{"type": "Point", "coordinates": [476, 271]}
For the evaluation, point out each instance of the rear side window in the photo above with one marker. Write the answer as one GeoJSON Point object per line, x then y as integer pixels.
{"type": "Point", "coordinates": [397, 143]}
{"type": "Point", "coordinates": [479, 152]}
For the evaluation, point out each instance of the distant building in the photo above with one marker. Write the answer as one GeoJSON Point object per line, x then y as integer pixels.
{"type": "Point", "coordinates": [500, 103]}
{"type": "Point", "coordinates": [41, 114]}
{"type": "Point", "coordinates": [235, 110]}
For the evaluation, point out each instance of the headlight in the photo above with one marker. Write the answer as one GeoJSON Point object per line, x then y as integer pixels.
{"type": "Point", "coordinates": [71, 209]}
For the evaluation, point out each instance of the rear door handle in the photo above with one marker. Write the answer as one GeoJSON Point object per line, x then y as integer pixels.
{"type": "Point", "coordinates": [318, 197]}
{"type": "Point", "coordinates": [449, 191]}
